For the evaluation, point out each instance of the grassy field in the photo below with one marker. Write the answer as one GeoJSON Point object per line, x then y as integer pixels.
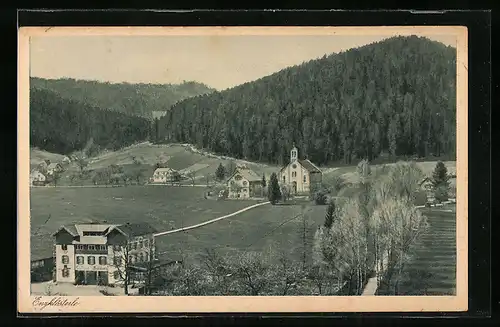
{"type": "Point", "coordinates": [255, 230]}
{"type": "Point", "coordinates": [431, 269]}
{"type": "Point", "coordinates": [164, 207]}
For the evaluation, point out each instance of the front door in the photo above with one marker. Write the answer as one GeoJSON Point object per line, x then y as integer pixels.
{"type": "Point", "coordinates": [91, 277]}
{"type": "Point", "coordinates": [294, 187]}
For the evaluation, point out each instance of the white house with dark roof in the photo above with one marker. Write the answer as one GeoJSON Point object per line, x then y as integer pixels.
{"type": "Point", "coordinates": [99, 253]}
{"type": "Point", "coordinates": [54, 168]}
{"type": "Point", "coordinates": [299, 174]}
{"type": "Point", "coordinates": [37, 178]}
{"type": "Point", "coordinates": [163, 175]}
{"type": "Point", "coordinates": [243, 182]}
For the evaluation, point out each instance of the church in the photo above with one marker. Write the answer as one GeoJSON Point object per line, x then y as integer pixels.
{"type": "Point", "coordinates": [299, 174]}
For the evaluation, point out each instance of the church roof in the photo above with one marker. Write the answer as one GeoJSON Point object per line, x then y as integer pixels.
{"type": "Point", "coordinates": [308, 165]}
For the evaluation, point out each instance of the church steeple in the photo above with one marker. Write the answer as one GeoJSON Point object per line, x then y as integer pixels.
{"type": "Point", "coordinates": [294, 154]}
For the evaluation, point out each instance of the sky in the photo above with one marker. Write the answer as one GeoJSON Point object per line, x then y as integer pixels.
{"type": "Point", "coordinates": [220, 62]}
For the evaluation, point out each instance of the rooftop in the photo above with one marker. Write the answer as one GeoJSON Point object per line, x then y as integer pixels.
{"type": "Point", "coordinates": [246, 173]}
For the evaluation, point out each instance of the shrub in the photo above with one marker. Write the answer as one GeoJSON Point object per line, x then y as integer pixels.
{"type": "Point", "coordinates": [320, 197]}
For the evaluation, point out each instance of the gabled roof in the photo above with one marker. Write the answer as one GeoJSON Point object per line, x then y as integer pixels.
{"type": "Point", "coordinates": [312, 168]}
{"type": "Point", "coordinates": [425, 179]}
{"type": "Point", "coordinates": [53, 165]}
{"type": "Point", "coordinates": [306, 164]}
{"type": "Point", "coordinates": [132, 230]}
{"type": "Point", "coordinates": [247, 174]}
{"type": "Point", "coordinates": [71, 229]}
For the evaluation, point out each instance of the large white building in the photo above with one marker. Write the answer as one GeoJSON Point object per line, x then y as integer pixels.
{"type": "Point", "coordinates": [299, 174]}
{"type": "Point", "coordinates": [100, 253]}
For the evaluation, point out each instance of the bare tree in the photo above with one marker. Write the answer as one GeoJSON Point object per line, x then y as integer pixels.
{"type": "Point", "coordinates": [191, 174]}
{"type": "Point", "coordinates": [56, 176]}
{"type": "Point", "coordinates": [252, 270]}
{"type": "Point", "coordinates": [286, 275]}
{"type": "Point", "coordinates": [122, 263]}
{"type": "Point", "coordinates": [220, 271]}
{"type": "Point", "coordinates": [285, 192]}
{"type": "Point", "coordinates": [397, 223]}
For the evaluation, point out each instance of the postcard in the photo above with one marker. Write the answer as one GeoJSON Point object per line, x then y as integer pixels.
{"type": "Point", "coordinates": [242, 169]}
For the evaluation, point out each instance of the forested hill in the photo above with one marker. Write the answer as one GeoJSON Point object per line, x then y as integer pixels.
{"type": "Point", "coordinates": [395, 97]}
{"type": "Point", "coordinates": [63, 126]}
{"type": "Point", "coordinates": [132, 99]}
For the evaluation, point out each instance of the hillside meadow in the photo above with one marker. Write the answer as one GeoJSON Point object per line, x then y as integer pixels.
{"type": "Point", "coordinates": [184, 157]}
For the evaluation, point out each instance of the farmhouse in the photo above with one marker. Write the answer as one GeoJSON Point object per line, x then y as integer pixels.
{"type": "Point", "coordinates": [427, 186]}
{"type": "Point", "coordinates": [243, 182]}
{"type": "Point", "coordinates": [54, 168]}
{"type": "Point", "coordinates": [100, 253]}
{"type": "Point", "coordinates": [37, 178]}
{"type": "Point", "coordinates": [163, 175]}
{"type": "Point", "coordinates": [299, 175]}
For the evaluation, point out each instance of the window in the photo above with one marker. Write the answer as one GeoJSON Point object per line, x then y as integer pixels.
{"type": "Point", "coordinates": [80, 260]}
{"type": "Point", "coordinates": [64, 247]}
{"type": "Point", "coordinates": [80, 247]}
{"type": "Point", "coordinates": [91, 247]}
{"type": "Point", "coordinates": [244, 190]}
{"type": "Point", "coordinates": [284, 179]}
{"type": "Point", "coordinates": [116, 275]}
{"type": "Point", "coordinates": [65, 272]}
{"type": "Point", "coordinates": [102, 260]}
{"type": "Point", "coordinates": [294, 166]}
{"type": "Point", "coordinates": [117, 261]}
{"type": "Point", "coordinates": [140, 244]}
{"type": "Point", "coordinates": [116, 248]}
{"type": "Point", "coordinates": [294, 174]}
{"type": "Point", "coordinates": [245, 183]}
{"type": "Point", "coordinates": [65, 259]}
{"type": "Point", "coordinates": [237, 177]}
{"type": "Point", "coordinates": [146, 243]}
{"type": "Point", "coordinates": [305, 181]}
{"type": "Point", "coordinates": [102, 247]}
{"type": "Point", "coordinates": [91, 260]}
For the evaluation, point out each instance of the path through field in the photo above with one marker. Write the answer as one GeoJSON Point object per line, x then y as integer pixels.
{"type": "Point", "coordinates": [210, 221]}
{"type": "Point", "coordinates": [432, 267]}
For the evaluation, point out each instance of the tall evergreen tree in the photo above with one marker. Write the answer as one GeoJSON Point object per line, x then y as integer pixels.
{"type": "Point", "coordinates": [330, 215]}
{"type": "Point", "coordinates": [440, 182]}
{"type": "Point", "coordinates": [274, 192]}
{"type": "Point", "coordinates": [220, 173]}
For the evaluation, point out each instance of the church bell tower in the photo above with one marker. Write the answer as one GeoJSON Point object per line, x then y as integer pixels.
{"type": "Point", "coordinates": [293, 154]}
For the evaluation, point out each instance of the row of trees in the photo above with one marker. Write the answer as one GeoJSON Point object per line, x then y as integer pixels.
{"type": "Point", "coordinates": [394, 98]}
{"type": "Point", "coordinates": [64, 126]}
{"type": "Point", "coordinates": [373, 232]}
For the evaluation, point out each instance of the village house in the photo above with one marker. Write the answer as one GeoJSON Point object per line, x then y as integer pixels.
{"type": "Point", "coordinates": [426, 185]}
{"type": "Point", "coordinates": [163, 175]}
{"type": "Point", "coordinates": [299, 174]}
{"type": "Point", "coordinates": [37, 178]}
{"type": "Point", "coordinates": [243, 182]}
{"type": "Point", "coordinates": [99, 253]}
{"type": "Point", "coordinates": [54, 168]}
